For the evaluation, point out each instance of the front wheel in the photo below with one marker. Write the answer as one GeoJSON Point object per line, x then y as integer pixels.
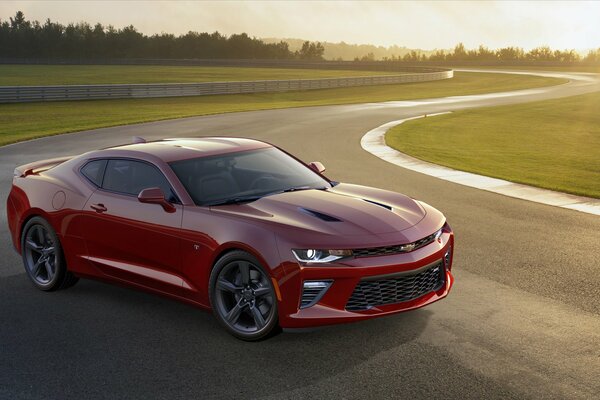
{"type": "Point", "coordinates": [43, 258]}
{"type": "Point", "coordinates": [242, 296]}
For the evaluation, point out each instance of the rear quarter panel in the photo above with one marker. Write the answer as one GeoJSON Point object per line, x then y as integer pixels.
{"type": "Point", "coordinates": [58, 196]}
{"type": "Point", "coordinates": [16, 206]}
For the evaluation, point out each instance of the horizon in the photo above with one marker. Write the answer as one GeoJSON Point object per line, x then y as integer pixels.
{"type": "Point", "coordinates": [528, 24]}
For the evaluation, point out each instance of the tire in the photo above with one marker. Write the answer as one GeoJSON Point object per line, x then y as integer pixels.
{"type": "Point", "coordinates": [43, 257]}
{"type": "Point", "coordinates": [243, 302]}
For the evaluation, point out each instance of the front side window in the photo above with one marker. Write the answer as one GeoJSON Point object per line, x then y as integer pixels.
{"type": "Point", "coordinates": [131, 177]}
{"type": "Point", "coordinates": [244, 175]}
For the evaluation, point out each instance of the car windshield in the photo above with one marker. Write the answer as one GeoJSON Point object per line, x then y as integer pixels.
{"type": "Point", "coordinates": [244, 176]}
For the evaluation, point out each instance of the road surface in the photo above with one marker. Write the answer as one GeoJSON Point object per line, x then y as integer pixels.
{"type": "Point", "coordinates": [521, 322]}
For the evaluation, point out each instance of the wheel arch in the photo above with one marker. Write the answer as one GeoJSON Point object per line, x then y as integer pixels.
{"type": "Point", "coordinates": [25, 218]}
{"type": "Point", "coordinates": [230, 247]}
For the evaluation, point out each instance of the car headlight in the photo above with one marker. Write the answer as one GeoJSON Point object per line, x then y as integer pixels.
{"type": "Point", "coordinates": [320, 256]}
{"type": "Point", "coordinates": [438, 235]}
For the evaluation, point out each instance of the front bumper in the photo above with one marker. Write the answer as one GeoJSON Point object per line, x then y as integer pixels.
{"type": "Point", "coordinates": [332, 306]}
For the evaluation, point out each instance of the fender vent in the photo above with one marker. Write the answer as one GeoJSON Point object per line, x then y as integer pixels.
{"type": "Point", "coordinates": [319, 215]}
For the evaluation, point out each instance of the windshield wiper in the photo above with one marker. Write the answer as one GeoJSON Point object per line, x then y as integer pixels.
{"type": "Point", "coordinates": [296, 188]}
{"type": "Point", "coordinates": [247, 199]}
{"type": "Point", "coordinates": [235, 200]}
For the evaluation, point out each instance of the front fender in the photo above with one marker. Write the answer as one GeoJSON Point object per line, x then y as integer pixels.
{"type": "Point", "coordinates": [207, 235]}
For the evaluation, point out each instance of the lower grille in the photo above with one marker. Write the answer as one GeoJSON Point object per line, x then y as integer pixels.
{"type": "Point", "coordinates": [370, 293]}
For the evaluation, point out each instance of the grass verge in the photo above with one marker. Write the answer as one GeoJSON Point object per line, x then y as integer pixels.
{"type": "Point", "coordinates": [553, 144]}
{"type": "Point", "coordinates": [38, 75]}
{"type": "Point", "coordinates": [565, 68]}
{"type": "Point", "coordinates": [30, 120]}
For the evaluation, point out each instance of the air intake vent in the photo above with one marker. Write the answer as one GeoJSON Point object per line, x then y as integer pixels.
{"type": "Point", "coordinates": [379, 204]}
{"type": "Point", "coordinates": [312, 291]}
{"type": "Point", "coordinates": [319, 215]}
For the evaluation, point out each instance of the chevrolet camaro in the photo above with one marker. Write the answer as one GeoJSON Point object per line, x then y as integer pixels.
{"type": "Point", "coordinates": [233, 225]}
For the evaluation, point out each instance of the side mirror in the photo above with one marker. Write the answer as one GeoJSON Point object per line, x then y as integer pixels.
{"type": "Point", "coordinates": [317, 167]}
{"type": "Point", "coordinates": [155, 196]}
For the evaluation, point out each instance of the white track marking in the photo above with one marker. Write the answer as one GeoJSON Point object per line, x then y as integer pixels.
{"type": "Point", "coordinates": [374, 142]}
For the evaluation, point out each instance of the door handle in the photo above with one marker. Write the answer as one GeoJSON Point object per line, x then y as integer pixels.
{"type": "Point", "coordinates": [99, 208]}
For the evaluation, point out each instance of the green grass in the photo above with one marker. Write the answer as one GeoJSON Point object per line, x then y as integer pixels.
{"type": "Point", "coordinates": [570, 68]}
{"type": "Point", "coordinates": [32, 75]}
{"type": "Point", "coordinates": [552, 144]}
{"type": "Point", "coordinates": [30, 120]}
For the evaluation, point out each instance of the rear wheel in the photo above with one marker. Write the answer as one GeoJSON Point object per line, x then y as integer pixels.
{"type": "Point", "coordinates": [43, 257]}
{"type": "Point", "coordinates": [242, 296]}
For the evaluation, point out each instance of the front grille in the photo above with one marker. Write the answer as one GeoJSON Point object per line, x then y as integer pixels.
{"type": "Point", "coordinates": [370, 293]}
{"type": "Point", "coordinates": [400, 248]}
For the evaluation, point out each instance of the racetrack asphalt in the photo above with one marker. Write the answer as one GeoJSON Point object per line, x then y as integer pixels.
{"type": "Point", "coordinates": [522, 320]}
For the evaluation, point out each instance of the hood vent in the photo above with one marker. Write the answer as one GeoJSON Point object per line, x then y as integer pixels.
{"type": "Point", "coordinates": [379, 204]}
{"type": "Point", "coordinates": [321, 216]}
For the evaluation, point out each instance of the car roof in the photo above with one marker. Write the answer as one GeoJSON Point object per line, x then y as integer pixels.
{"type": "Point", "coordinates": [176, 149]}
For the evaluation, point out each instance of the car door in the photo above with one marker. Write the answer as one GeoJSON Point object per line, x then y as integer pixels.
{"type": "Point", "coordinates": [130, 240]}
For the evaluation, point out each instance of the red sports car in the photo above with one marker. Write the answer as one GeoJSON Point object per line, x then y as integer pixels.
{"type": "Point", "coordinates": [234, 225]}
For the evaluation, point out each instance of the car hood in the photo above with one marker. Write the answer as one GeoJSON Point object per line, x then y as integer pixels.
{"type": "Point", "coordinates": [342, 210]}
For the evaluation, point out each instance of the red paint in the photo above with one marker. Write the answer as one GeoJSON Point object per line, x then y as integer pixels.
{"type": "Point", "coordinates": [170, 249]}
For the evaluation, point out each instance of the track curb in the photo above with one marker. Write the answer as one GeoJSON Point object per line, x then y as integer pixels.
{"type": "Point", "coordinates": [374, 142]}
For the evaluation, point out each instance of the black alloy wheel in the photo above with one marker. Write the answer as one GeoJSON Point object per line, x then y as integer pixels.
{"type": "Point", "coordinates": [242, 296]}
{"type": "Point", "coordinates": [43, 257]}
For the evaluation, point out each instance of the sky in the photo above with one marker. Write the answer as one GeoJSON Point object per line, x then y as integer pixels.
{"type": "Point", "coordinates": [414, 24]}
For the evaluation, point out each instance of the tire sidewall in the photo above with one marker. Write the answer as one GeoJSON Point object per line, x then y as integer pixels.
{"type": "Point", "coordinates": [219, 265]}
{"type": "Point", "coordinates": [59, 265]}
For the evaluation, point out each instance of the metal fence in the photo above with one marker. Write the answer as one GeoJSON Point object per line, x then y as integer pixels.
{"type": "Point", "coordinates": [19, 94]}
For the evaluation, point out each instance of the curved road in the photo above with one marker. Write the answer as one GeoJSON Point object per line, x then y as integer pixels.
{"type": "Point", "coordinates": [522, 321]}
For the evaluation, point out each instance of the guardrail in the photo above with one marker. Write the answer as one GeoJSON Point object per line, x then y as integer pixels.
{"type": "Point", "coordinates": [19, 94]}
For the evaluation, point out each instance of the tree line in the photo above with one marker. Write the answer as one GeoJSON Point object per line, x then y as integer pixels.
{"type": "Point", "coordinates": [347, 51]}
{"type": "Point", "coordinates": [508, 55]}
{"type": "Point", "coordinates": [21, 38]}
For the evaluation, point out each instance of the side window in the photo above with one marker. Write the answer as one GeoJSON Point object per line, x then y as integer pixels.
{"type": "Point", "coordinates": [131, 177]}
{"type": "Point", "coordinates": [94, 171]}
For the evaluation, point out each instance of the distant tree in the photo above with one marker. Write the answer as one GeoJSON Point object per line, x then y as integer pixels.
{"type": "Point", "coordinates": [485, 54]}
{"type": "Point", "coordinates": [593, 56]}
{"type": "Point", "coordinates": [510, 54]}
{"type": "Point", "coordinates": [543, 53]}
{"type": "Point", "coordinates": [438, 56]}
{"type": "Point", "coordinates": [18, 22]}
{"type": "Point", "coordinates": [459, 53]}
{"type": "Point", "coordinates": [566, 56]}
{"type": "Point", "coordinates": [368, 57]}
{"type": "Point", "coordinates": [413, 56]}
{"type": "Point", "coordinates": [311, 51]}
